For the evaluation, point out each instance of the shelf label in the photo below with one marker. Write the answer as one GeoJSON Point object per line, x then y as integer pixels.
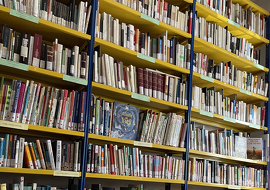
{"type": "Point", "coordinates": [75, 80]}
{"type": "Point", "coordinates": [145, 57]}
{"type": "Point", "coordinates": [251, 125]}
{"type": "Point", "coordinates": [140, 97]}
{"type": "Point", "coordinates": [24, 16]}
{"type": "Point", "coordinates": [207, 78]}
{"type": "Point", "coordinates": [66, 173]}
{"type": "Point", "coordinates": [206, 113]}
{"type": "Point", "coordinates": [229, 119]}
{"type": "Point", "coordinates": [234, 187]}
{"type": "Point", "coordinates": [14, 64]}
{"type": "Point", "coordinates": [144, 144]}
{"type": "Point", "coordinates": [233, 23]}
{"type": "Point", "coordinates": [144, 16]}
{"type": "Point", "coordinates": [12, 125]}
{"type": "Point", "coordinates": [245, 91]}
{"type": "Point", "coordinates": [258, 66]}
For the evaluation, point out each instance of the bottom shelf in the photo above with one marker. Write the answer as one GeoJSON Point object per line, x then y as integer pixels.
{"type": "Point", "coordinates": [223, 186]}
{"type": "Point", "coordinates": [132, 178]}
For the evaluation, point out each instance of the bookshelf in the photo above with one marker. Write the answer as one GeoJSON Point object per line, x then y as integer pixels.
{"type": "Point", "coordinates": [128, 15]}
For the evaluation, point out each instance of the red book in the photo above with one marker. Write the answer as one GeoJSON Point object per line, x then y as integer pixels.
{"type": "Point", "coordinates": [71, 110]}
{"type": "Point", "coordinates": [63, 109]}
{"type": "Point", "coordinates": [83, 65]}
{"type": "Point", "coordinates": [229, 9]}
{"type": "Point", "coordinates": [150, 84]}
{"type": "Point", "coordinates": [159, 86]}
{"type": "Point", "coordinates": [118, 74]}
{"type": "Point", "coordinates": [162, 86]}
{"type": "Point", "coordinates": [263, 117]}
{"type": "Point", "coordinates": [4, 92]}
{"type": "Point", "coordinates": [154, 84]}
{"type": "Point", "coordinates": [112, 159]}
{"type": "Point", "coordinates": [158, 9]}
{"type": "Point", "coordinates": [82, 111]}
{"type": "Point", "coordinates": [190, 22]}
{"type": "Point", "coordinates": [165, 12]}
{"type": "Point", "coordinates": [36, 50]}
{"type": "Point", "coordinates": [140, 80]}
{"type": "Point", "coordinates": [145, 82]}
{"type": "Point", "coordinates": [137, 35]}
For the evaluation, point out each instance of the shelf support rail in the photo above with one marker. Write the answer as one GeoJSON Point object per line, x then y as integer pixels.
{"type": "Point", "coordinates": [91, 44]}
{"type": "Point", "coordinates": [267, 119]}
{"type": "Point", "coordinates": [188, 112]}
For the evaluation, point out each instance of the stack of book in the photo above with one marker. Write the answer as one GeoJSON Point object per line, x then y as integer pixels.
{"type": "Point", "coordinates": [44, 106]}
{"type": "Point", "coordinates": [229, 143]}
{"type": "Point", "coordinates": [15, 152]}
{"type": "Point", "coordinates": [214, 172]}
{"type": "Point", "coordinates": [222, 37]}
{"type": "Point", "coordinates": [75, 16]}
{"type": "Point", "coordinates": [228, 73]}
{"type": "Point", "coordinates": [211, 100]}
{"type": "Point", "coordinates": [31, 50]}
{"type": "Point", "coordinates": [243, 16]}
{"type": "Point", "coordinates": [125, 35]}
{"type": "Point", "coordinates": [131, 162]}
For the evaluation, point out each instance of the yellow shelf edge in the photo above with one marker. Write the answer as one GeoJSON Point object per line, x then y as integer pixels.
{"type": "Point", "coordinates": [132, 178]}
{"type": "Point", "coordinates": [25, 171]}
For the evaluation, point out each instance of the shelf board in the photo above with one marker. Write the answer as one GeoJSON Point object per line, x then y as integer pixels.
{"type": "Point", "coordinates": [46, 77]}
{"type": "Point", "coordinates": [25, 171]}
{"type": "Point", "coordinates": [219, 54]}
{"type": "Point", "coordinates": [132, 178]}
{"type": "Point", "coordinates": [240, 32]}
{"type": "Point", "coordinates": [40, 131]}
{"type": "Point", "coordinates": [223, 158]}
{"type": "Point", "coordinates": [111, 140]}
{"type": "Point", "coordinates": [228, 89]}
{"type": "Point", "coordinates": [131, 16]}
{"type": "Point", "coordinates": [115, 94]}
{"type": "Point", "coordinates": [47, 29]}
{"type": "Point", "coordinates": [128, 57]}
{"type": "Point", "coordinates": [221, 185]}
{"type": "Point", "coordinates": [255, 8]}
{"type": "Point", "coordinates": [217, 120]}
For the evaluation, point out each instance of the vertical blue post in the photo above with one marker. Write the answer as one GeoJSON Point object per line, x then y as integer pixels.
{"type": "Point", "coordinates": [188, 112]}
{"type": "Point", "coordinates": [267, 64]}
{"type": "Point", "coordinates": [88, 97]}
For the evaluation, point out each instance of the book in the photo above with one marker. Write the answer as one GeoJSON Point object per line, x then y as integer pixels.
{"type": "Point", "coordinates": [254, 148]}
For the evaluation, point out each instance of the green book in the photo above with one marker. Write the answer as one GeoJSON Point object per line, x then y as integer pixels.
{"type": "Point", "coordinates": [6, 150]}
{"type": "Point", "coordinates": [36, 154]}
{"type": "Point", "coordinates": [1, 89]}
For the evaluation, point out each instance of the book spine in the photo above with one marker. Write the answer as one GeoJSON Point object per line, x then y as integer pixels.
{"type": "Point", "coordinates": [50, 152]}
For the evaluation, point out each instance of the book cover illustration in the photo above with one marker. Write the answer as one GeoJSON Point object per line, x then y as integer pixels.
{"type": "Point", "coordinates": [254, 148]}
{"type": "Point", "coordinates": [240, 147]}
{"type": "Point", "coordinates": [125, 121]}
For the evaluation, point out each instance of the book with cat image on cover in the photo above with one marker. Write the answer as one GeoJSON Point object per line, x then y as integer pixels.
{"type": "Point", "coordinates": [125, 121]}
{"type": "Point", "coordinates": [254, 148]}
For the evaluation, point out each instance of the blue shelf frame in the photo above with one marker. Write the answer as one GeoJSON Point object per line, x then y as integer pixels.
{"type": "Point", "coordinates": [91, 44]}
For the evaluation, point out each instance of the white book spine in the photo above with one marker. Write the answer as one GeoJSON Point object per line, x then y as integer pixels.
{"type": "Point", "coordinates": [76, 56]}
{"type": "Point", "coordinates": [76, 152]}
{"type": "Point", "coordinates": [17, 154]}
{"type": "Point", "coordinates": [52, 163]}
{"type": "Point", "coordinates": [59, 58]}
{"type": "Point", "coordinates": [58, 154]}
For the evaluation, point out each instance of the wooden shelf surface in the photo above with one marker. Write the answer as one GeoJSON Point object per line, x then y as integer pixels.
{"type": "Point", "coordinates": [222, 185]}
{"type": "Point", "coordinates": [228, 89]}
{"type": "Point", "coordinates": [223, 158]}
{"type": "Point", "coordinates": [49, 30]}
{"type": "Point", "coordinates": [114, 94]}
{"type": "Point", "coordinates": [132, 178]}
{"type": "Point", "coordinates": [240, 31]}
{"type": "Point", "coordinates": [219, 54]}
{"type": "Point", "coordinates": [124, 142]}
{"type": "Point", "coordinates": [25, 171]}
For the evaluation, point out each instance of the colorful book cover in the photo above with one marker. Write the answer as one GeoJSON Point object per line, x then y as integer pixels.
{"type": "Point", "coordinates": [254, 148]}
{"type": "Point", "coordinates": [125, 121]}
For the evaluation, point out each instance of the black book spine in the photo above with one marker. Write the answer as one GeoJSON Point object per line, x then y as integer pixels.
{"type": "Point", "coordinates": [174, 50]}
{"type": "Point", "coordinates": [3, 33]}
{"type": "Point", "coordinates": [14, 147]}
{"type": "Point", "coordinates": [122, 37]}
{"type": "Point", "coordinates": [79, 156]}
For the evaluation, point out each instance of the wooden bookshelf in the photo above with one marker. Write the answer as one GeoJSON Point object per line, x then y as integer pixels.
{"type": "Point", "coordinates": [223, 158]}
{"type": "Point", "coordinates": [47, 29]}
{"type": "Point", "coordinates": [132, 178]}
{"type": "Point", "coordinates": [99, 139]}
{"type": "Point", "coordinates": [222, 21]}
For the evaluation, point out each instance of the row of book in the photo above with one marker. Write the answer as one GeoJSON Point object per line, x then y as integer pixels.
{"type": "Point", "coordinates": [148, 82]}
{"type": "Point", "coordinates": [214, 101]}
{"type": "Point", "coordinates": [110, 159]}
{"type": "Point", "coordinates": [162, 11]}
{"type": "Point", "coordinates": [32, 103]}
{"type": "Point", "coordinates": [228, 142]}
{"type": "Point", "coordinates": [130, 187]}
{"type": "Point", "coordinates": [222, 38]}
{"type": "Point", "coordinates": [20, 183]}
{"type": "Point", "coordinates": [125, 35]}
{"type": "Point", "coordinates": [72, 16]}
{"type": "Point", "coordinates": [239, 14]}
{"type": "Point", "coordinates": [228, 73]}
{"type": "Point", "coordinates": [31, 50]}
{"type": "Point", "coordinates": [214, 172]}
{"type": "Point", "coordinates": [15, 152]}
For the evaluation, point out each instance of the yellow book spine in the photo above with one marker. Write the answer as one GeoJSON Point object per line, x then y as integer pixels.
{"type": "Point", "coordinates": [28, 159]}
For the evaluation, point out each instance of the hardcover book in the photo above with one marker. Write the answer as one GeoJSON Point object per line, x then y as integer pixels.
{"type": "Point", "coordinates": [125, 121]}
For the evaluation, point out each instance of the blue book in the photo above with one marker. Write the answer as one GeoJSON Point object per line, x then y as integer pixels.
{"type": "Point", "coordinates": [134, 161]}
{"type": "Point", "coordinates": [26, 99]}
{"type": "Point", "coordinates": [2, 142]}
{"type": "Point", "coordinates": [178, 92]}
{"type": "Point", "coordinates": [93, 113]}
{"type": "Point", "coordinates": [217, 6]}
{"type": "Point", "coordinates": [16, 99]}
{"type": "Point", "coordinates": [160, 46]}
{"type": "Point", "coordinates": [125, 121]}
{"type": "Point", "coordinates": [106, 119]}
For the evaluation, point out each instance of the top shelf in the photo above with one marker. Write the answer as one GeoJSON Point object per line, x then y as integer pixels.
{"type": "Point", "coordinates": [47, 29]}
{"type": "Point", "coordinates": [240, 31]}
